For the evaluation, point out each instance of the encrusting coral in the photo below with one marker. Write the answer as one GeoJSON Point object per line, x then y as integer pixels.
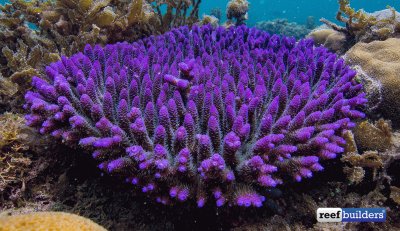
{"type": "Point", "coordinates": [41, 221]}
{"type": "Point", "coordinates": [361, 26]}
{"type": "Point", "coordinates": [212, 114]}
{"type": "Point", "coordinates": [378, 62]}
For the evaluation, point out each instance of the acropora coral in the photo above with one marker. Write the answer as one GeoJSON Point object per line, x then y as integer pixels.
{"type": "Point", "coordinates": [208, 114]}
{"type": "Point", "coordinates": [42, 221]}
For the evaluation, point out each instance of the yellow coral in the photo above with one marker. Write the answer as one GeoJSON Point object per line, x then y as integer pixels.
{"type": "Point", "coordinates": [41, 221]}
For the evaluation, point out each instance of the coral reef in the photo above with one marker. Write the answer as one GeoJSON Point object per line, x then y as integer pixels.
{"type": "Point", "coordinates": [284, 27]}
{"type": "Point", "coordinates": [236, 10]}
{"type": "Point", "coordinates": [41, 221]}
{"type": "Point", "coordinates": [35, 33]}
{"type": "Point", "coordinates": [379, 61]}
{"type": "Point", "coordinates": [361, 26]}
{"type": "Point", "coordinates": [193, 127]}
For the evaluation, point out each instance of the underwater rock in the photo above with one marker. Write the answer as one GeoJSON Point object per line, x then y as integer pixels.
{"type": "Point", "coordinates": [380, 61]}
{"type": "Point", "coordinates": [167, 115]}
{"type": "Point", "coordinates": [41, 221]}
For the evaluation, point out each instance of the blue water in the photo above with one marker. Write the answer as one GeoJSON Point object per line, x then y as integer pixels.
{"type": "Point", "coordinates": [293, 10]}
{"type": "Point", "coordinates": [298, 10]}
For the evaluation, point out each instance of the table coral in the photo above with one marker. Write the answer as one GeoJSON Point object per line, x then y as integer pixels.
{"type": "Point", "coordinates": [41, 221]}
{"type": "Point", "coordinates": [208, 114]}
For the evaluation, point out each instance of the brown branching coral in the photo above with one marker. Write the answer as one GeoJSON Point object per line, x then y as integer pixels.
{"type": "Point", "coordinates": [14, 163]}
{"type": "Point", "coordinates": [64, 27]}
{"type": "Point", "coordinates": [363, 26]}
{"type": "Point", "coordinates": [20, 163]}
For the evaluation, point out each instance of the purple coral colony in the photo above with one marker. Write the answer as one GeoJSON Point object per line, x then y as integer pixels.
{"type": "Point", "coordinates": [211, 115]}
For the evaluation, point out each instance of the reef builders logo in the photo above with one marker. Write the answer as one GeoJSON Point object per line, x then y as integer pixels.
{"type": "Point", "coordinates": [351, 215]}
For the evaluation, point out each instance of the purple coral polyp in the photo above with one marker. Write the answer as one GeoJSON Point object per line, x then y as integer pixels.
{"type": "Point", "coordinates": [207, 114]}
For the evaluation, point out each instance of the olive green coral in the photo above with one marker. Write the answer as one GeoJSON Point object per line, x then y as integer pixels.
{"type": "Point", "coordinates": [55, 221]}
